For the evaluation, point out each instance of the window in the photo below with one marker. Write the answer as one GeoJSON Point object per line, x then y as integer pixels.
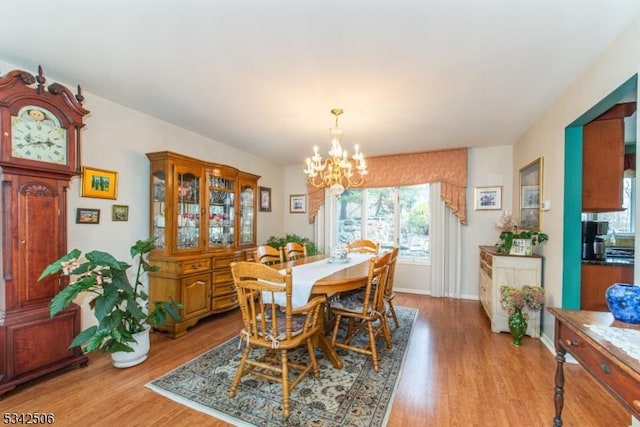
{"type": "Point", "coordinates": [391, 216]}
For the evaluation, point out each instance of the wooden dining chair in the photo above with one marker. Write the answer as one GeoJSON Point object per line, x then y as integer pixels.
{"type": "Point", "coordinates": [268, 255]}
{"type": "Point", "coordinates": [389, 294]}
{"type": "Point", "coordinates": [363, 310]}
{"type": "Point", "coordinates": [294, 250]}
{"type": "Point", "coordinates": [364, 246]}
{"type": "Point", "coordinates": [271, 323]}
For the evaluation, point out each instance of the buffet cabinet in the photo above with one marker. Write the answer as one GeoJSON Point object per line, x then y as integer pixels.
{"type": "Point", "coordinates": [498, 270]}
{"type": "Point", "coordinates": [203, 219]}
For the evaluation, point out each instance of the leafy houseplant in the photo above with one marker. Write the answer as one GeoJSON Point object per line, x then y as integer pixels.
{"type": "Point", "coordinates": [120, 307]}
{"type": "Point", "coordinates": [507, 237]}
{"type": "Point", "coordinates": [278, 242]}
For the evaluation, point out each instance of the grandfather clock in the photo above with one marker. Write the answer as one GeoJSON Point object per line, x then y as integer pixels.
{"type": "Point", "coordinates": [39, 153]}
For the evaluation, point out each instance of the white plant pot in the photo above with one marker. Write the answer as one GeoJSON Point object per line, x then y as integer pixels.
{"type": "Point", "coordinates": [124, 359]}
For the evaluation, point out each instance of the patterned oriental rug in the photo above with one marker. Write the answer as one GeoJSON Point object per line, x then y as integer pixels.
{"type": "Point", "coordinates": [354, 395]}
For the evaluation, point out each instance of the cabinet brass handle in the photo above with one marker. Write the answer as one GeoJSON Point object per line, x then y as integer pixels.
{"type": "Point", "coordinates": [605, 368]}
{"type": "Point", "coordinates": [636, 404]}
{"type": "Point", "coordinates": [195, 265]}
{"type": "Point", "coordinates": [571, 343]}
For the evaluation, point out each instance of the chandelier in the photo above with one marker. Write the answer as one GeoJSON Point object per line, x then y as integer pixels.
{"type": "Point", "coordinates": [337, 172]}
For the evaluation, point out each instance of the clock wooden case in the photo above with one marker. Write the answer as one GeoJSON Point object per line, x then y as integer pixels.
{"type": "Point", "coordinates": [39, 153]}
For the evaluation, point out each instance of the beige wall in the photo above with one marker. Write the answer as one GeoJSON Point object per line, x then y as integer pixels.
{"type": "Point", "coordinates": [546, 138]}
{"type": "Point", "coordinates": [117, 138]}
{"type": "Point", "coordinates": [486, 167]}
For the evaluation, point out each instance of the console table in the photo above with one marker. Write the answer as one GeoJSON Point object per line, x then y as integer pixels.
{"type": "Point", "coordinates": [610, 365]}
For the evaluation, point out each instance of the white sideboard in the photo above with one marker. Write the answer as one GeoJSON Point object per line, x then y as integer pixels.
{"type": "Point", "coordinates": [507, 270]}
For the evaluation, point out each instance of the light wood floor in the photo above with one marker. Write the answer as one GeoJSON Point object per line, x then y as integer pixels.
{"type": "Point", "coordinates": [457, 373]}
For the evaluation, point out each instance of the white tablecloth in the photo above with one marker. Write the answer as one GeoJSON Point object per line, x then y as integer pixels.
{"type": "Point", "coordinates": [626, 339]}
{"type": "Point", "coordinates": [305, 275]}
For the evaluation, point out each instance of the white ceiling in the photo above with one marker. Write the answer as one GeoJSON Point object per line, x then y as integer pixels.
{"type": "Point", "coordinates": [262, 75]}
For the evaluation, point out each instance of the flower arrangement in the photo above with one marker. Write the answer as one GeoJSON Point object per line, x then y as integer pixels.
{"type": "Point", "coordinates": [513, 298]}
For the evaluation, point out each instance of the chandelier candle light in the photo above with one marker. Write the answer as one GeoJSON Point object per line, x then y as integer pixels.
{"type": "Point", "coordinates": [337, 172]}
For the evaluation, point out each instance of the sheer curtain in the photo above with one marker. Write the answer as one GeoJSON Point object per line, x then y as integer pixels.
{"type": "Point", "coordinates": [445, 248]}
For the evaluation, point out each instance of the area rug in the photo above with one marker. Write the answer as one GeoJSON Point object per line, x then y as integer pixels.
{"type": "Point", "coordinates": [352, 396]}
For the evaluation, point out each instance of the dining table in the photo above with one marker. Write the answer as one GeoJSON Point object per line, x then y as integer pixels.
{"type": "Point", "coordinates": [341, 277]}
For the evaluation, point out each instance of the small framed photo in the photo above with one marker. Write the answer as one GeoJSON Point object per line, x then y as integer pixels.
{"type": "Point", "coordinates": [87, 216]}
{"type": "Point", "coordinates": [120, 213]}
{"type": "Point", "coordinates": [488, 198]}
{"type": "Point", "coordinates": [298, 203]}
{"type": "Point", "coordinates": [99, 183]}
{"type": "Point", "coordinates": [521, 247]}
{"type": "Point", "coordinates": [265, 199]}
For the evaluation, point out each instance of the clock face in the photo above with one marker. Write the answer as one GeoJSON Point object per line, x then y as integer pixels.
{"type": "Point", "coordinates": [36, 134]}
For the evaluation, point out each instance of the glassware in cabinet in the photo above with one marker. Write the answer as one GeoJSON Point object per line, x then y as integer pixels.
{"type": "Point", "coordinates": [247, 213]}
{"type": "Point", "coordinates": [159, 188]}
{"type": "Point", "coordinates": [221, 211]}
{"type": "Point", "coordinates": [188, 210]}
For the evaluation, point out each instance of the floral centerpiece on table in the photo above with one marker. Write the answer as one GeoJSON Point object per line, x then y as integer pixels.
{"type": "Point", "coordinates": [514, 300]}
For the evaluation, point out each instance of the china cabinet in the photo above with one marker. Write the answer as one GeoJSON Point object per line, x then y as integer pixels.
{"type": "Point", "coordinates": [203, 216]}
{"type": "Point", "coordinates": [39, 154]}
{"type": "Point", "coordinates": [507, 270]}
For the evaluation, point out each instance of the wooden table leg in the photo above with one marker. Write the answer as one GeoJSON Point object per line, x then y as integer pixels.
{"type": "Point", "coordinates": [329, 351]}
{"type": "Point", "coordinates": [323, 343]}
{"type": "Point", "coordinates": [559, 388]}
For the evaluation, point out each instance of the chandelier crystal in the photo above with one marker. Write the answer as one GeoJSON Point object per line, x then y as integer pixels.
{"type": "Point", "coordinates": [337, 172]}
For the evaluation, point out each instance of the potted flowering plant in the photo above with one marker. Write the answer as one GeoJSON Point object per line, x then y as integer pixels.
{"type": "Point", "coordinates": [509, 232]}
{"type": "Point", "coordinates": [120, 306]}
{"type": "Point", "coordinates": [514, 300]}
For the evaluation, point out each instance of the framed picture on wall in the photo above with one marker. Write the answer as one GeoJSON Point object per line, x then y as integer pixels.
{"type": "Point", "coordinates": [488, 198]}
{"type": "Point", "coordinates": [265, 199]}
{"type": "Point", "coordinates": [531, 195]}
{"type": "Point", "coordinates": [87, 216]}
{"type": "Point", "coordinates": [120, 213]}
{"type": "Point", "coordinates": [99, 183]}
{"type": "Point", "coordinates": [297, 203]}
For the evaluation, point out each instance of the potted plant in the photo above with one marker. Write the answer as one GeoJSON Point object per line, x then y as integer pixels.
{"type": "Point", "coordinates": [120, 307]}
{"type": "Point", "coordinates": [507, 238]}
{"type": "Point", "coordinates": [509, 232]}
{"type": "Point", "coordinates": [279, 242]}
{"type": "Point", "coordinates": [514, 300]}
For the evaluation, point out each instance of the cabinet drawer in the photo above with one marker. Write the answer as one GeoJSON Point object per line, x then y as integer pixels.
{"type": "Point", "coordinates": [616, 380]}
{"type": "Point", "coordinates": [222, 277]}
{"type": "Point", "coordinates": [487, 270]}
{"type": "Point", "coordinates": [224, 303]}
{"type": "Point", "coordinates": [225, 262]}
{"type": "Point", "coordinates": [223, 289]}
{"type": "Point", "coordinates": [194, 265]}
{"type": "Point", "coordinates": [486, 257]}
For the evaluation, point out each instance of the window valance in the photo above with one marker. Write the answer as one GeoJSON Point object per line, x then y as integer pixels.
{"type": "Point", "coordinates": [449, 167]}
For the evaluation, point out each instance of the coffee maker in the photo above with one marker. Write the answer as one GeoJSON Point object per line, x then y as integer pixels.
{"type": "Point", "coordinates": [592, 244]}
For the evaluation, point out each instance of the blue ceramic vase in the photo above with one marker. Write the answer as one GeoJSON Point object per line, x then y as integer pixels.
{"type": "Point", "coordinates": [623, 300]}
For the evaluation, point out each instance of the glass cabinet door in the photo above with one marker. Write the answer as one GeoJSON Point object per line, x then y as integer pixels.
{"type": "Point", "coordinates": [187, 209]}
{"type": "Point", "coordinates": [247, 207]}
{"type": "Point", "coordinates": [221, 211]}
{"type": "Point", "coordinates": [158, 209]}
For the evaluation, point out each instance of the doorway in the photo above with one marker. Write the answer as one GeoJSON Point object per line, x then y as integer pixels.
{"type": "Point", "coordinates": [572, 225]}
